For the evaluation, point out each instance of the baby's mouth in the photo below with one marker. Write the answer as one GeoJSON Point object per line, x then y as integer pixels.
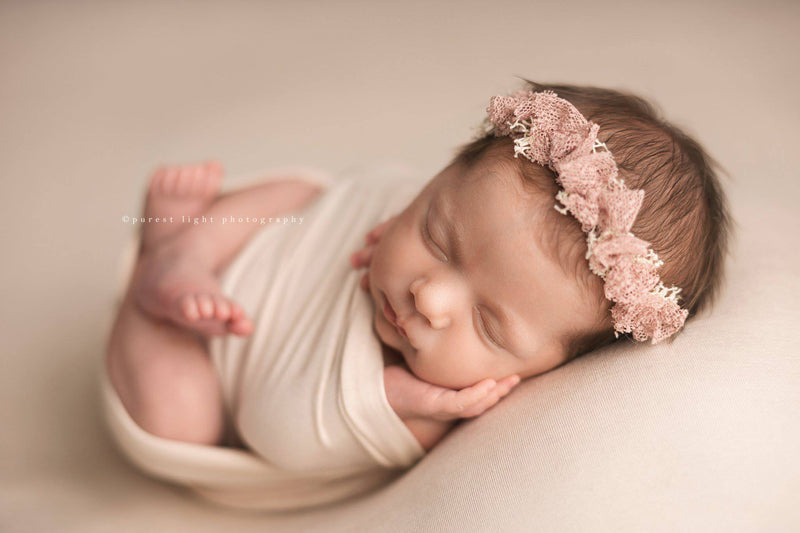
{"type": "Point", "coordinates": [402, 332]}
{"type": "Point", "coordinates": [391, 316]}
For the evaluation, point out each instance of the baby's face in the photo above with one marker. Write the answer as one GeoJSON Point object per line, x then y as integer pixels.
{"type": "Point", "coordinates": [467, 282]}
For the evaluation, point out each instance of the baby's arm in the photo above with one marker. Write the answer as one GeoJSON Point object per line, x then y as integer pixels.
{"type": "Point", "coordinates": [220, 241]}
{"type": "Point", "coordinates": [430, 411]}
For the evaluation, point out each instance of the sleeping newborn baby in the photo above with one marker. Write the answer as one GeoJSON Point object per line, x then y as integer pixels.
{"type": "Point", "coordinates": [577, 217]}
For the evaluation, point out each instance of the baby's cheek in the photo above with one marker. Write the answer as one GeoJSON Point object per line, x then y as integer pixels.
{"type": "Point", "coordinates": [449, 368]}
{"type": "Point", "coordinates": [387, 257]}
{"type": "Point", "coordinates": [380, 260]}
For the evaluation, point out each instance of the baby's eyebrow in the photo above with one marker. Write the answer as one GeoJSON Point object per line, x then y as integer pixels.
{"type": "Point", "coordinates": [454, 239]}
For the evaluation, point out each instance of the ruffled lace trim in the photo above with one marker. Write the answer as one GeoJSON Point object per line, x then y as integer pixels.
{"type": "Point", "coordinates": [551, 132]}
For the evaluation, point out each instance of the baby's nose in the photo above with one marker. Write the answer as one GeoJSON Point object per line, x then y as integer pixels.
{"type": "Point", "coordinates": [429, 305]}
{"type": "Point", "coordinates": [416, 285]}
{"type": "Point", "coordinates": [439, 323]}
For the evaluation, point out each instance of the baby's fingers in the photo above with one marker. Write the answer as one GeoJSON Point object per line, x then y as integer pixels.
{"type": "Point", "coordinates": [481, 400]}
{"type": "Point", "coordinates": [502, 388]}
{"type": "Point", "coordinates": [362, 257]}
{"type": "Point", "coordinates": [452, 404]}
{"type": "Point", "coordinates": [377, 232]}
{"type": "Point", "coordinates": [475, 400]}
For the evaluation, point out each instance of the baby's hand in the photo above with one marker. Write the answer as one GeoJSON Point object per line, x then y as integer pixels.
{"type": "Point", "coordinates": [363, 257]}
{"type": "Point", "coordinates": [410, 397]}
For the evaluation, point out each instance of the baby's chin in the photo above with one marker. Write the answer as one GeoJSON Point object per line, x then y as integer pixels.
{"type": "Point", "coordinates": [388, 336]}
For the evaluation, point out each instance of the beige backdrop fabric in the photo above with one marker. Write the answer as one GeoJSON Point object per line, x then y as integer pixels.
{"type": "Point", "coordinates": [699, 435]}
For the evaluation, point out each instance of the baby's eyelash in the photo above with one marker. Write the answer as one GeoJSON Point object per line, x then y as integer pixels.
{"type": "Point", "coordinates": [426, 236]}
{"type": "Point", "coordinates": [482, 324]}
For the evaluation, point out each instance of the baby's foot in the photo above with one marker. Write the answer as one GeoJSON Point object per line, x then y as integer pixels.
{"type": "Point", "coordinates": [171, 284]}
{"type": "Point", "coordinates": [176, 191]}
{"type": "Point", "coordinates": [211, 313]}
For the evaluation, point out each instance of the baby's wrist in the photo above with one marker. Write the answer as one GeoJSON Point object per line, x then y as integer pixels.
{"type": "Point", "coordinates": [404, 393]}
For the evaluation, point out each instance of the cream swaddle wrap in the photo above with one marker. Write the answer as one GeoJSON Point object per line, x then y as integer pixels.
{"type": "Point", "coordinates": [305, 391]}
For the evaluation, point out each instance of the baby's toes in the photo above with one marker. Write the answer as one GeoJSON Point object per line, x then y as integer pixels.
{"type": "Point", "coordinates": [195, 314]}
{"type": "Point", "coordinates": [237, 313]}
{"type": "Point", "coordinates": [188, 174]}
{"type": "Point", "coordinates": [239, 324]}
{"type": "Point", "coordinates": [157, 180]}
{"type": "Point", "coordinates": [222, 310]}
{"type": "Point", "coordinates": [214, 168]}
{"type": "Point", "coordinates": [205, 304]}
{"type": "Point", "coordinates": [169, 179]}
{"type": "Point", "coordinates": [199, 181]}
{"type": "Point", "coordinates": [242, 327]}
{"type": "Point", "coordinates": [187, 306]}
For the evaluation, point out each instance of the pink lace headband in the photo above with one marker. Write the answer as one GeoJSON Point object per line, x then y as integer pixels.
{"type": "Point", "coordinates": [551, 132]}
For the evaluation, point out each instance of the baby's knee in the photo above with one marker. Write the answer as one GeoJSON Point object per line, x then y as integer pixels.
{"type": "Point", "coordinates": [178, 403]}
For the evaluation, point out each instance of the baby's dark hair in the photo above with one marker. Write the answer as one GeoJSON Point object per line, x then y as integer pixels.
{"type": "Point", "coordinates": [684, 215]}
